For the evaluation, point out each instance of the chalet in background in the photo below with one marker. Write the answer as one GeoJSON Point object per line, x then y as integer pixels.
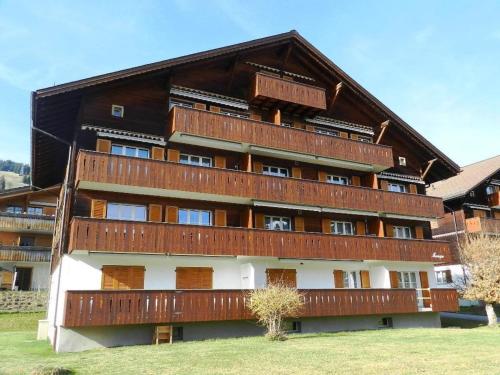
{"type": "Point", "coordinates": [472, 202]}
{"type": "Point", "coordinates": [189, 181]}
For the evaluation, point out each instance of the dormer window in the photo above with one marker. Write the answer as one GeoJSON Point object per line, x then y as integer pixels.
{"type": "Point", "coordinates": [117, 111]}
{"type": "Point", "coordinates": [402, 161]}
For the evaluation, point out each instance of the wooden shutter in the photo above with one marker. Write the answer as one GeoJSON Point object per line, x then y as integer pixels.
{"type": "Point", "coordinates": [193, 277]}
{"type": "Point", "coordinates": [220, 162]}
{"type": "Point", "coordinates": [247, 163]}
{"type": "Point", "coordinates": [338, 277]}
{"type": "Point", "coordinates": [326, 225]}
{"type": "Point", "coordinates": [449, 279]}
{"type": "Point", "coordinates": [202, 106]}
{"type": "Point", "coordinates": [299, 224]}
{"type": "Point", "coordinates": [256, 117]}
{"type": "Point", "coordinates": [50, 211]}
{"type": "Point", "coordinates": [344, 135]}
{"type": "Point", "coordinates": [259, 220]}
{"type": "Point", "coordinates": [310, 128]}
{"type": "Point", "coordinates": [172, 214]}
{"type": "Point", "coordinates": [384, 185]}
{"type": "Point", "coordinates": [214, 108]}
{"type": "Point", "coordinates": [287, 277]}
{"type": "Point", "coordinates": [322, 176]}
{"type": "Point", "coordinates": [98, 209]}
{"type": "Point", "coordinates": [103, 145]}
{"type": "Point", "coordinates": [413, 188]}
{"type": "Point", "coordinates": [354, 137]}
{"type": "Point", "coordinates": [173, 155]}
{"type": "Point", "coordinates": [356, 180]}
{"type": "Point", "coordinates": [424, 284]}
{"type": "Point", "coordinates": [389, 230]}
{"type": "Point", "coordinates": [154, 212]}
{"type": "Point", "coordinates": [360, 228]}
{"type": "Point", "coordinates": [246, 218]}
{"type": "Point", "coordinates": [419, 232]}
{"type": "Point", "coordinates": [157, 153]}
{"type": "Point", "coordinates": [220, 218]}
{"type": "Point", "coordinates": [122, 277]}
{"type": "Point", "coordinates": [394, 279]}
{"type": "Point", "coordinates": [296, 172]}
{"type": "Point", "coordinates": [258, 167]}
{"type": "Point", "coordinates": [276, 117]}
{"type": "Point", "coordinates": [365, 279]}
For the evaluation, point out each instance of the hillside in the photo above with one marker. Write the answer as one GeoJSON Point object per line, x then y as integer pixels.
{"type": "Point", "coordinates": [12, 180]}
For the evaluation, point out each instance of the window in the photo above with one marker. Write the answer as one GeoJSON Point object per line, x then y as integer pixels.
{"type": "Point", "coordinates": [402, 161]}
{"type": "Point", "coordinates": [342, 227]}
{"type": "Point", "coordinates": [14, 210]}
{"type": "Point", "coordinates": [121, 211]}
{"type": "Point", "coordinates": [490, 189]}
{"type": "Point", "coordinates": [137, 152]}
{"type": "Point", "coordinates": [334, 133]}
{"type": "Point", "coordinates": [402, 232]}
{"type": "Point", "coordinates": [385, 323]}
{"type": "Point", "coordinates": [286, 124]}
{"type": "Point", "coordinates": [351, 279]}
{"type": "Point", "coordinates": [235, 114]}
{"type": "Point", "coordinates": [338, 180]}
{"type": "Point", "coordinates": [195, 160]}
{"type": "Point", "coordinates": [407, 280]}
{"type": "Point", "coordinates": [443, 277]}
{"type": "Point", "coordinates": [398, 188]}
{"type": "Point", "coordinates": [364, 138]}
{"type": "Point", "coordinates": [177, 334]}
{"type": "Point", "coordinates": [275, 171]}
{"type": "Point", "coordinates": [175, 103]}
{"type": "Point", "coordinates": [26, 241]}
{"type": "Point", "coordinates": [35, 210]}
{"type": "Point", "coordinates": [117, 111]}
{"type": "Point", "coordinates": [195, 217]}
{"type": "Point", "coordinates": [277, 223]}
{"type": "Point", "coordinates": [292, 326]}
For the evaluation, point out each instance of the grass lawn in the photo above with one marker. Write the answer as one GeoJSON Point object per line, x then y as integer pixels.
{"type": "Point", "coordinates": [411, 351]}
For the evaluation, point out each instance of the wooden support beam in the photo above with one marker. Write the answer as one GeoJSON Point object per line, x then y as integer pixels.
{"type": "Point", "coordinates": [285, 58]}
{"type": "Point", "coordinates": [232, 70]}
{"type": "Point", "coordinates": [383, 127]}
{"type": "Point", "coordinates": [338, 89]}
{"type": "Point", "coordinates": [427, 168]}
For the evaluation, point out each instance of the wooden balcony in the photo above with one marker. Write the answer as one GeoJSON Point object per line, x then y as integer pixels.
{"type": "Point", "coordinates": [26, 223]}
{"type": "Point", "coordinates": [268, 90]}
{"type": "Point", "coordinates": [106, 308]}
{"type": "Point", "coordinates": [216, 130]}
{"type": "Point", "coordinates": [24, 253]}
{"type": "Point", "coordinates": [481, 224]}
{"type": "Point", "coordinates": [102, 235]}
{"type": "Point", "coordinates": [494, 200]}
{"type": "Point", "coordinates": [98, 170]}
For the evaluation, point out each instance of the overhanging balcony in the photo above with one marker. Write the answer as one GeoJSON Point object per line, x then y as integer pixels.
{"type": "Point", "coordinates": [26, 223]}
{"type": "Point", "coordinates": [482, 224]}
{"type": "Point", "coordinates": [24, 253]}
{"type": "Point", "coordinates": [210, 129]}
{"type": "Point", "coordinates": [114, 236]}
{"type": "Point", "coordinates": [145, 176]}
{"type": "Point", "coordinates": [108, 308]}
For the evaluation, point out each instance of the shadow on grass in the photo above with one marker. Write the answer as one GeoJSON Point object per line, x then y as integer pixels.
{"type": "Point", "coordinates": [460, 323]}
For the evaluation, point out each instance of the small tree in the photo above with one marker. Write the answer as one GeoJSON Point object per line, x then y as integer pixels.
{"type": "Point", "coordinates": [272, 305]}
{"type": "Point", "coordinates": [481, 256]}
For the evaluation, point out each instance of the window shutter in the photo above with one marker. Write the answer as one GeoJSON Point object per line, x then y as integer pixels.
{"type": "Point", "coordinates": [214, 108]}
{"type": "Point", "coordinates": [220, 218]}
{"type": "Point", "coordinates": [299, 224]}
{"type": "Point", "coordinates": [157, 153]}
{"type": "Point", "coordinates": [384, 185]}
{"type": "Point", "coordinates": [338, 277]}
{"type": "Point", "coordinates": [389, 230]}
{"type": "Point", "coordinates": [296, 172]}
{"type": "Point", "coordinates": [220, 162]}
{"type": "Point", "coordinates": [173, 155]}
{"type": "Point", "coordinates": [50, 211]}
{"type": "Point", "coordinates": [344, 135]}
{"type": "Point", "coordinates": [259, 220]}
{"type": "Point", "coordinates": [394, 279]}
{"type": "Point", "coordinates": [356, 180]}
{"type": "Point", "coordinates": [354, 137]}
{"type": "Point", "coordinates": [202, 106]}
{"type": "Point", "coordinates": [413, 188]}
{"type": "Point", "coordinates": [326, 225]}
{"type": "Point", "coordinates": [365, 279]}
{"type": "Point", "coordinates": [256, 117]}
{"type": "Point", "coordinates": [298, 125]}
{"type": "Point", "coordinates": [98, 209]}
{"type": "Point", "coordinates": [247, 163]}
{"type": "Point", "coordinates": [360, 228]}
{"type": "Point", "coordinates": [449, 279]}
{"type": "Point", "coordinates": [322, 176]}
{"type": "Point", "coordinates": [287, 277]}
{"type": "Point", "coordinates": [155, 212]}
{"type": "Point", "coordinates": [310, 128]}
{"type": "Point", "coordinates": [172, 214]}
{"type": "Point", "coordinates": [424, 284]}
{"type": "Point", "coordinates": [246, 218]}
{"type": "Point", "coordinates": [103, 145]}
{"type": "Point", "coordinates": [258, 167]}
{"type": "Point", "coordinates": [193, 277]}
{"type": "Point", "coordinates": [122, 277]}
{"type": "Point", "coordinates": [419, 232]}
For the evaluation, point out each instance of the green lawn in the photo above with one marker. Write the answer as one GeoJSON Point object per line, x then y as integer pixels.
{"type": "Point", "coordinates": [411, 351]}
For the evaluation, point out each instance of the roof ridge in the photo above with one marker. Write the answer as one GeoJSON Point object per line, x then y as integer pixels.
{"type": "Point", "coordinates": [480, 161]}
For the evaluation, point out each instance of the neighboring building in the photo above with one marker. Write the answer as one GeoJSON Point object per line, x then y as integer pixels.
{"type": "Point", "coordinates": [193, 180]}
{"type": "Point", "coordinates": [472, 202]}
{"type": "Point", "coordinates": [26, 226]}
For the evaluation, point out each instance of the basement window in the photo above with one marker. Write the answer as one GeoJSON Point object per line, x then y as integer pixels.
{"type": "Point", "coordinates": [385, 323]}
{"type": "Point", "coordinates": [178, 334]}
{"type": "Point", "coordinates": [292, 326]}
{"type": "Point", "coordinates": [117, 111]}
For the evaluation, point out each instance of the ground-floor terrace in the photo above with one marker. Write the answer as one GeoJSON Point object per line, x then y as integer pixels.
{"type": "Point", "coordinates": [119, 299]}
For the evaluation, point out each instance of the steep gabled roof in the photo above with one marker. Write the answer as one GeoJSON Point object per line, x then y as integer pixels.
{"type": "Point", "coordinates": [471, 176]}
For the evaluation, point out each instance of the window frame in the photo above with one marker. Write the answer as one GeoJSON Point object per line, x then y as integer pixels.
{"type": "Point", "coordinates": [441, 278]}
{"type": "Point", "coordinates": [190, 156]}
{"type": "Point", "coordinates": [405, 229]}
{"type": "Point", "coordinates": [137, 149]}
{"type": "Point", "coordinates": [178, 103]}
{"type": "Point", "coordinates": [352, 279]}
{"type": "Point", "coordinates": [280, 169]}
{"type": "Point", "coordinates": [325, 131]}
{"type": "Point", "coordinates": [36, 208]}
{"type": "Point", "coordinates": [334, 223]}
{"type": "Point", "coordinates": [407, 284]}
{"type": "Point", "coordinates": [118, 107]}
{"type": "Point", "coordinates": [389, 184]}
{"type": "Point", "coordinates": [330, 179]}
{"type": "Point", "coordinates": [365, 139]}
{"type": "Point", "coordinates": [200, 217]}
{"type": "Point", "coordinates": [272, 219]}
{"type": "Point", "coordinates": [13, 209]}
{"type": "Point", "coordinates": [120, 205]}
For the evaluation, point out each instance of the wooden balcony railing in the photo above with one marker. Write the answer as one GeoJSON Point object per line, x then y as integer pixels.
{"type": "Point", "coordinates": [257, 133]}
{"type": "Point", "coordinates": [106, 308]}
{"type": "Point", "coordinates": [24, 253]}
{"type": "Point", "coordinates": [26, 222]}
{"type": "Point", "coordinates": [121, 170]}
{"type": "Point", "coordinates": [494, 199]}
{"type": "Point", "coordinates": [102, 235]}
{"type": "Point", "coordinates": [266, 87]}
{"type": "Point", "coordinates": [482, 224]}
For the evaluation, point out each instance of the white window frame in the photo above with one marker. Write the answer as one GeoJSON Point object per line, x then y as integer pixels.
{"type": "Point", "coordinates": [136, 148]}
{"type": "Point", "coordinates": [120, 207]}
{"type": "Point", "coordinates": [344, 224]}
{"type": "Point", "coordinates": [404, 230]}
{"type": "Point", "coordinates": [287, 124]}
{"type": "Point", "coordinates": [365, 139]}
{"type": "Point", "coordinates": [397, 188]}
{"type": "Point", "coordinates": [175, 103]}
{"type": "Point", "coordinates": [402, 161]}
{"type": "Point", "coordinates": [190, 162]}
{"type": "Point", "coordinates": [351, 279]}
{"type": "Point", "coordinates": [117, 108]}
{"type": "Point", "coordinates": [490, 189]}
{"type": "Point", "coordinates": [337, 180]}
{"type": "Point", "coordinates": [324, 131]}
{"type": "Point", "coordinates": [276, 174]}
{"type": "Point", "coordinates": [188, 210]}
{"type": "Point", "coordinates": [405, 280]}
{"type": "Point", "coordinates": [234, 114]}
{"type": "Point", "coordinates": [441, 278]}
{"type": "Point", "coordinates": [281, 219]}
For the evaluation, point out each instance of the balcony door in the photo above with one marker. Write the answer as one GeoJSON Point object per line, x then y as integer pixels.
{"type": "Point", "coordinates": [23, 278]}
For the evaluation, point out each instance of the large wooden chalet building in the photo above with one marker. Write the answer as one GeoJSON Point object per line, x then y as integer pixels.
{"type": "Point", "coordinates": [189, 181]}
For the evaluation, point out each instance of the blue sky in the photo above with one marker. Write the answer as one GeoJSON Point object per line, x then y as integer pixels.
{"type": "Point", "coordinates": [435, 63]}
